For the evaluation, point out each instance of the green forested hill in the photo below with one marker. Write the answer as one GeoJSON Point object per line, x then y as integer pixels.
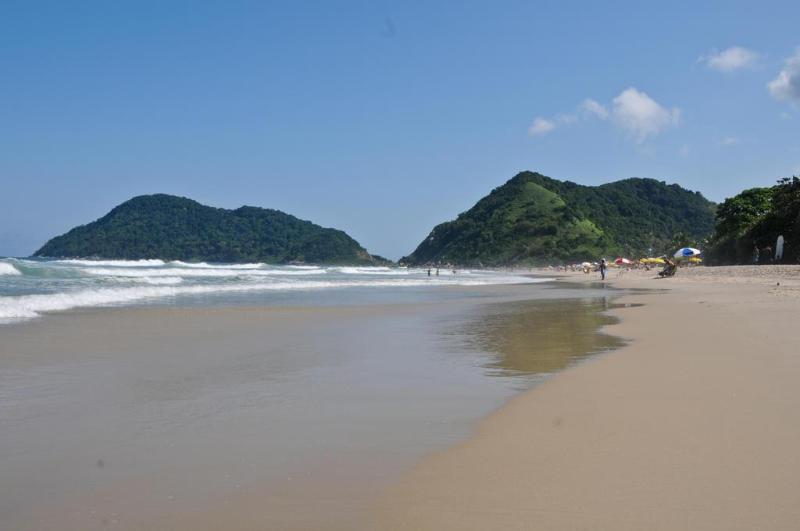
{"type": "Point", "coordinates": [536, 219]}
{"type": "Point", "coordinates": [755, 218]}
{"type": "Point", "coordinates": [177, 228]}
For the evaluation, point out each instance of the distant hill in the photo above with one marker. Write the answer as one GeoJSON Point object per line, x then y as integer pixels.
{"type": "Point", "coordinates": [535, 219]}
{"type": "Point", "coordinates": [176, 228]}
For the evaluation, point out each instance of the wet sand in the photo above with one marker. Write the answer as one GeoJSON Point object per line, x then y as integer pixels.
{"type": "Point", "coordinates": [693, 425]}
{"type": "Point", "coordinates": [261, 418]}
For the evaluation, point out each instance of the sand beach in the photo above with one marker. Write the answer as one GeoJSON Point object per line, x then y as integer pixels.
{"type": "Point", "coordinates": [692, 425]}
{"type": "Point", "coordinates": [476, 410]}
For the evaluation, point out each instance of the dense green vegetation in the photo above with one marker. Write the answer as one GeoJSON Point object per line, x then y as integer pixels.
{"type": "Point", "coordinates": [177, 228]}
{"type": "Point", "coordinates": [755, 218]}
{"type": "Point", "coordinates": [535, 219]}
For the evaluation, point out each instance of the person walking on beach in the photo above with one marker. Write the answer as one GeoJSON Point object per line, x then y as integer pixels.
{"type": "Point", "coordinates": [603, 267]}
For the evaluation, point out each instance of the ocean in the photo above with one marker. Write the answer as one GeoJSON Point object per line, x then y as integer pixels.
{"type": "Point", "coordinates": [32, 287]}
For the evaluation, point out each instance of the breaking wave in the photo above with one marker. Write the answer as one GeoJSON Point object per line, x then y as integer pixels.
{"type": "Point", "coordinates": [31, 287]}
{"type": "Point", "coordinates": [8, 269]}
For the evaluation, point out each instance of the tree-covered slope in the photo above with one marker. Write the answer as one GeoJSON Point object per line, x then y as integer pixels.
{"type": "Point", "coordinates": [177, 228]}
{"type": "Point", "coordinates": [754, 219]}
{"type": "Point", "coordinates": [535, 219]}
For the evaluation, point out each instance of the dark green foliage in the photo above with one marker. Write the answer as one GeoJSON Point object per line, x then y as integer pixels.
{"type": "Point", "coordinates": [755, 218]}
{"type": "Point", "coordinates": [536, 219]}
{"type": "Point", "coordinates": [177, 228]}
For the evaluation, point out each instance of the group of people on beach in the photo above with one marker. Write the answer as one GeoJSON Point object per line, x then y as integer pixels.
{"type": "Point", "coordinates": [765, 255]}
{"type": "Point", "coordinates": [452, 268]}
{"type": "Point", "coordinates": [670, 266]}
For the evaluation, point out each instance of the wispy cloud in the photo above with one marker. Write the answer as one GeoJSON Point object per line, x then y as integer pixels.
{"type": "Point", "coordinates": [786, 87]}
{"type": "Point", "coordinates": [642, 116]}
{"type": "Point", "coordinates": [632, 110]}
{"type": "Point", "coordinates": [729, 141]}
{"type": "Point", "coordinates": [594, 108]}
{"type": "Point", "coordinates": [730, 59]}
{"type": "Point", "coordinates": [541, 126]}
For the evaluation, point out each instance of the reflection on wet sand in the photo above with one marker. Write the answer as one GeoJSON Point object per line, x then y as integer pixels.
{"type": "Point", "coordinates": [537, 337]}
{"type": "Point", "coordinates": [264, 417]}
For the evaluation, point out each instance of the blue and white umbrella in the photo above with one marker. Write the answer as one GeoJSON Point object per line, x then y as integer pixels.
{"type": "Point", "coordinates": [687, 252]}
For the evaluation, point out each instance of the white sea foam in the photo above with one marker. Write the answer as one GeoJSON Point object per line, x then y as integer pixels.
{"type": "Point", "coordinates": [30, 306]}
{"type": "Point", "coordinates": [8, 269]}
{"type": "Point", "coordinates": [158, 281]}
{"type": "Point", "coordinates": [371, 271]}
{"type": "Point", "coordinates": [113, 263]}
{"type": "Point", "coordinates": [205, 265]}
{"type": "Point", "coordinates": [196, 272]}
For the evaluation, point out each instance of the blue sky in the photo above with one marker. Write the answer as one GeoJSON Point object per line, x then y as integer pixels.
{"type": "Point", "coordinates": [382, 118]}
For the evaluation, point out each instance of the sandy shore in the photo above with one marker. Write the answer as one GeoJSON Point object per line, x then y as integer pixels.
{"type": "Point", "coordinates": [250, 418]}
{"type": "Point", "coordinates": [693, 425]}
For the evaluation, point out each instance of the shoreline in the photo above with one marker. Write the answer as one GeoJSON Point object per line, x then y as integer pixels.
{"type": "Point", "coordinates": [652, 435]}
{"type": "Point", "coordinates": [261, 417]}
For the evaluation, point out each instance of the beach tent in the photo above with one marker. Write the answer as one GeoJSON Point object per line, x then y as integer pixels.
{"type": "Point", "coordinates": [687, 252]}
{"type": "Point", "coordinates": [695, 260]}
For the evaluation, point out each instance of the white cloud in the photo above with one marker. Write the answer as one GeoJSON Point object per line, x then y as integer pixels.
{"type": "Point", "coordinates": [730, 59]}
{"type": "Point", "coordinates": [786, 87]}
{"type": "Point", "coordinates": [632, 110]}
{"type": "Point", "coordinates": [541, 126]}
{"type": "Point", "coordinates": [592, 107]}
{"type": "Point", "coordinates": [566, 119]}
{"type": "Point", "coordinates": [729, 141]}
{"type": "Point", "coordinates": [641, 115]}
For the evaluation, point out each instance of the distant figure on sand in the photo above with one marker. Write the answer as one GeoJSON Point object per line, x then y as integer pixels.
{"type": "Point", "coordinates": [779, 249]}
{"type": "Point", "coordinates": [603, 267]}
{"type": "Point", "coordinates": [429, 271]}
{"type": "Point", "coordinates": [755, 254]}
{"type": "Point", "coordinates": [437, 271]}
{"type": "Point", "coordinates": [670, 268]}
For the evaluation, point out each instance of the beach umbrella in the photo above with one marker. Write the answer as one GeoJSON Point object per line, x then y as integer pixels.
{"type": "Point", "coordinates": [620, 261]}
{"type": "Point", "coordinates": [687, 252]}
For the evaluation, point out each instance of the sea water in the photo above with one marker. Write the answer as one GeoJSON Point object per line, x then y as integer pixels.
{"type": "Point", "coordinates": [32, 287]}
